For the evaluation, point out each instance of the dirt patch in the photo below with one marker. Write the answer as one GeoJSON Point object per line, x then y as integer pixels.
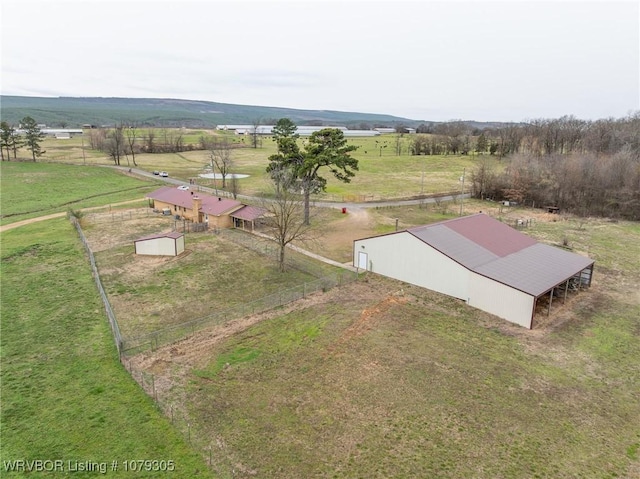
{"type": "Point", "coordinates": [338, 236]}
{"type": "Point", "coordinates": [368, 320]}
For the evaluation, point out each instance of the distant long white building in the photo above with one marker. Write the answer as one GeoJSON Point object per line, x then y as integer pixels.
{"type": "Point", "coordinates": [300, 130]}
{"type": "Point", "coordinates": [60, 133]}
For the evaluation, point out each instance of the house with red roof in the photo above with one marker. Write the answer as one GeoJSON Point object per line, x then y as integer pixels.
{"type": "Point", "coordinates": [199, 207]}
{"type": "Point", "coordinates": [481, 261]}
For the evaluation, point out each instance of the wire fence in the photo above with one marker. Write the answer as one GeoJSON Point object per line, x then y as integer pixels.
{"type": "Point", "coordinates": [115, 329]}
{"type": "Point", "coordinates": [123, 215]}
{"type": "Point", "coordinates": [170, 334]}
{"type": "Point", "coordinates": [150, 341]}
{"type": "Point", "coordinates": [212, 448]}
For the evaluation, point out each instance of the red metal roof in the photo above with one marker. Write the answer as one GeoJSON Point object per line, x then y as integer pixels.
{"type": "Point", "coordinates": [495, 250]}
{"type": "Point", "coordinates": [249, 213]}
{"type": "Point", "coordinates": [492, 235]}
{"type": "Point", "coordinates": [211, 205]}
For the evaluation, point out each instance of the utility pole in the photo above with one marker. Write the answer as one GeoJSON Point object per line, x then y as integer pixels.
{"type": "Point", "coordinates": [462, 190]}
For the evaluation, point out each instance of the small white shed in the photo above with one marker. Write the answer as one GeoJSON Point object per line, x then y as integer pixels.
{"type": "Point", "coordinates": [163, 244]}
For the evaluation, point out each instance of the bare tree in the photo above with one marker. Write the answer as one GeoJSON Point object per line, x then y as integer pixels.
{"type": "Point", "coordinates": [255, 132]}
{"type": "Point", "coordinates": [221, 158]}
{"type": "Point", "coordinates": [285, 215]}
{"type": "Point", "coordinates": [97, 139]}
{"type": "Point", "coordinates": [115, 144]}
{"type": "Point", "coordinates": [235, 186]}
{"type": "Point", "coordinates": [483, 177]}
{"type": "Point", "coordinates": [149, 141]}
{"type": "Point", "coordinates": [130, 134]}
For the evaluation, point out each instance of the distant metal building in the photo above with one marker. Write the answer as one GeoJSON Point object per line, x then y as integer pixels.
{"type": "Point", "coordinates": [163, 244]}
{"type": "Point", "coordinates": [479, 260]}
{"type": "Point", "coordinates": [300, 130]}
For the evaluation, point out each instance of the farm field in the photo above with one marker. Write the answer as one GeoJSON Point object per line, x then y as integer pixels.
{"type": "Point", "coordinates": [382, 379]}
{"type": "Point", "coordinates": [39, 189]}
{"type": "Point", "coordinates": [372, 379]}
{"type": "Point", "coordinates": [382, 173]}
{"type": "Point", "coordinates": [65, 395]}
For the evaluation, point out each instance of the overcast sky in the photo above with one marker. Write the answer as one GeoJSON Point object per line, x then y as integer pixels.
{"type": "Point", "coordinates": [424, 60]}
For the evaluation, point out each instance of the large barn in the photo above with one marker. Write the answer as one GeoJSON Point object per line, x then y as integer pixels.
{"type": "Point", "coordinates": [480, 260]}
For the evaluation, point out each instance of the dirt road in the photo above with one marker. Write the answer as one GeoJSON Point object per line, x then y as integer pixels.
{"type": "Point", "coordinates": [17, 224]}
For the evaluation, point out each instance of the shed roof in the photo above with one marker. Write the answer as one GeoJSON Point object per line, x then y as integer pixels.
{"type": "Point", "coordinates": [211, 205]}
{"type": "Point", "coordinates": [249, 213]}
{"type": "Point", "coordinates": [495, 250]}
{"type": "Point", "coordinates": [172, 235]}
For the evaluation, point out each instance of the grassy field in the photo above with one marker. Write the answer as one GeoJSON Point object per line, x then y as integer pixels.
{"type": "Point", "coordinates": [39, 189]}
{"type": "Point", "coordinates": [382, 175]}
{"type": "Point", "coordinates": [372, 379]}
{"type": "Point", "coordinates": [382, 379]}
{"type": "Point", "coordinates": [150, 293]}
{"type": "Point", "coordinates": [65, 396]}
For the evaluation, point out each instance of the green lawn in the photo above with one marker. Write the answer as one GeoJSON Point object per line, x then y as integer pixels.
{"type": "Point", "coordinates": [39, 189]}
{"type": "Point", "coordinates": [383, 174]}
{"type": "Point", "coordinates": [424, 391]}
{"type": "Point", "coordinates": [65, 396]}
{"type": "Point", "coordinates": [386, 380]}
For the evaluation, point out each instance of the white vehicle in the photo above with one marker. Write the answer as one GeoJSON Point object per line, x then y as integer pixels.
{"type": "Point", "coordinates": [183, 187]}
{"type": "Point", "coordinates": [164, 174]}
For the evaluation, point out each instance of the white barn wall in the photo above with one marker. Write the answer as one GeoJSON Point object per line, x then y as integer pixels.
{"type": "Point", "coordinates": [499, 299]}
{"type": "Point", "coordinates": [404, 257]}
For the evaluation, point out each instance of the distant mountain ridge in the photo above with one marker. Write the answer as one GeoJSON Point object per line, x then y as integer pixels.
{"type": "Point", "coordinates": [74, 112]}
{"type": "Point", "coordinates": [78, 111]}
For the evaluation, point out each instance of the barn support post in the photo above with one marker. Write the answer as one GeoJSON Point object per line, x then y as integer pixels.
{"type": "Point", "coordinates": [533, 312]}
{"type": "Point", "coordinates": [550, 301]}
{"type": "Point", "coordinates": [590, 274]}
{"type": "Point", "coordinates": [566, 290]}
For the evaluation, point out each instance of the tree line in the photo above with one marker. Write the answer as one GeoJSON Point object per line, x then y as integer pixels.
{"type": "Point", "coordinates": [126, 139]}
{"type": "Point", "coordinates": [586, 184]}
{"type": "Point", "coordinates": [584, 167]}
{"type": "Point", "coordinates": [563, 135]}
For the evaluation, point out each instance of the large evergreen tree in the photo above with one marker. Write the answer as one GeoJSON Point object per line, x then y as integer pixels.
{"type": "Point", "coordinates": [289, 157]}
{"type": "Point", "coordinates": [32, 136]}
{"type": "Point", "coordinates": [8, 140]}
{"type": "Point", "coordinates": [326, 148]}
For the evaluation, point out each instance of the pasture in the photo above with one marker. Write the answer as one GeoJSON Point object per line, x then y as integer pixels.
{"type": "Point", "coordinates": [382, 379]}
{"type": "Point", "coordinates": [65, 395]}
{"type": "Point", "coordinates": [39, 189]}
{"type": "Point", "coordinates": [383, 174]}
{"type": "Point", "coordinates": [372, 379]}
